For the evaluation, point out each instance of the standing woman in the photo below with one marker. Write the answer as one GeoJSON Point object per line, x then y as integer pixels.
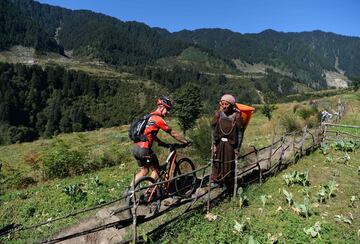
{"type": "Point", "coordinates": [227, 134]}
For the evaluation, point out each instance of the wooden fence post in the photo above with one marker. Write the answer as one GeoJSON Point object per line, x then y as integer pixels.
{"type": "Point", "coordinates": [235, 177]}
{"type": "Point", "coordinates": [258, 164]}
{"type": "Point", "coordinates": [316, 141]}
{"type": "Point", "coordinates": [339, 110]}
{"type": "Point", "coordinates": [210, 181]}
{"type": "Point", "coordinates": [281, 154]}
{"type": "Point", "coordinates": [134, 208]}
{"type": "Point", "coordinates": [294, 150]}
{"type": "Point", "coordinates": [303, 141]}
{"type": "Point", "coordinates": [270, 151]}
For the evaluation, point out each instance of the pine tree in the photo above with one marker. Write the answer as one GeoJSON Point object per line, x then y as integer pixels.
{"type": "Point", "coordinates": [187, 105]}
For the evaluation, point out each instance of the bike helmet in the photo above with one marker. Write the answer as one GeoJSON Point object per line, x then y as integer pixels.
{"type": "Point", "coordinates": [165, 101]}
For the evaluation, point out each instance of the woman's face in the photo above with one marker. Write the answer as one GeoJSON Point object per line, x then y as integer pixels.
{"type": "Point", "coordinates": [224, 106]}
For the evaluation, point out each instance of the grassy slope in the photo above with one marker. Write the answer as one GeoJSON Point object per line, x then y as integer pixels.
{"type": "Point", "coordinates": [266, 223]}
{"type": "Point", "coordinates": [285, 224]}
{"type": "Point", "coordinates": [47, 200]}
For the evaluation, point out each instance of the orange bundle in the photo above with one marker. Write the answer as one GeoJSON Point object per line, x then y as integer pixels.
{"type": "Point", "coordinates": [246, 112]}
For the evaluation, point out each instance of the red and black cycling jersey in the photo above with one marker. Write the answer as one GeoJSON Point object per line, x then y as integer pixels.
{"type": "Point", "coordinates": [155, 123]}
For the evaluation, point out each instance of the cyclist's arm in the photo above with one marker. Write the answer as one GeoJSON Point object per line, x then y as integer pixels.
{"type": "Point", "coordinates": [159, 142]}
{"type": "Point", "coordinates": [177, 136]}
{"type": "Point", "coordinates": [165, 127]}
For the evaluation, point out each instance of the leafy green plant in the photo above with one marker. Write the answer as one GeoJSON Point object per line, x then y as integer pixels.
{"type": "Point", "coordinates": [324, 148]}
{"type": "Point", "coordinates": [326, 191]}
{"type": "Point", "coordinates": [240, 227]}
{"type": "Point", "coordinates": [329, 159]}
{"type": "Point", "coordinates": [314, 231]}
{"type": "Point", "coordinates": [99, 201]}
{"type": "Point", "coordinates": [345, 159]}
{"type": "Point", "coordinates": [331, 187]}
{"type": "Point", "coordinates": [352, 201]}
{"type": "Point", "coordinates": [95, 182]}
{"type": "Point", "coordinates": [252, 240]}
{"type": "Point", "coordinates": [289, 197]}
{"type": "Point", "coordinates": [75, 192]}
{"type": "Point", "coordinates": [341, 218]}
{"type": "Point", "coordinates": [297, 177]}
{"type": "Point", "coordinates": [346, 146]}
{"type": "Point", "coordinates": [147, 238]}
{"type": "Point", "coordinates": [22, 195]}
{"type": "Point", "coordinates": [321, 195]}
{"type": "Point", "coordinates": [306, 191]}
{"type": "Point", "coordinates": [303, 209]}
{"type": "Point", "coordinates": [263, 199]}
{"type": "Point", "coordinates": [243, 200]}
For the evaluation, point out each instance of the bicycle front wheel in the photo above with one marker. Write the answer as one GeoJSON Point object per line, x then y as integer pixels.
{"type": "Point", "coordinates": [147, 197]}
{"type": "Point", "coordinates": [185, 184]}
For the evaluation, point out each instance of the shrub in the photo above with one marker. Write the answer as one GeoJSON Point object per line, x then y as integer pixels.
{"type": "Point", "coordinates": [33, 159]}
{"type": "Point", "coordinates": [201, 137]}
{"type": "Point", "coordinates": [61, 161]}
{"type": "Point", "coordinates": [290, 122]}
{"type": "Point", "coordinates": [313, 121]}
{"type": "Point", "coordinates": [307, 112]}
{"type": "Point", "coordinates": [24, 182]}
{"type": "Point", "coordinates": [268, 109]}
{"type": "Point", "coordinates": [304, 112]}
{"type": "Point", "coordinates": [296, 107]}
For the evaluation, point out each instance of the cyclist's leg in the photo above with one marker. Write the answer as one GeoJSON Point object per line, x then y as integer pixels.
{"type": "Point", "coordinates": [143, 158]}
{"type": "Point", "coordinates": [154, 165]}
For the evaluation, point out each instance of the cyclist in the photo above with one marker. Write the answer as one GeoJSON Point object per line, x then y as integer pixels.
{"type": "Point", "coordinates": [142, 151]}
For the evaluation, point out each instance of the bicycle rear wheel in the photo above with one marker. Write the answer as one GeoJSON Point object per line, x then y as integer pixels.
{"type": "Point", "coordinates": [147, 197]}
{"type": "Point", "coordinates": [185, 185]}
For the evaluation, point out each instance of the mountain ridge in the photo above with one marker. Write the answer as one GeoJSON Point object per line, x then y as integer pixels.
{"type": "Point", "coordinates": [307, 55]}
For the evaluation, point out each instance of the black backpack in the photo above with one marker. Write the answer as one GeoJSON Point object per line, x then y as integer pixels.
{"type": "Point", "coordinates": [137, 127]}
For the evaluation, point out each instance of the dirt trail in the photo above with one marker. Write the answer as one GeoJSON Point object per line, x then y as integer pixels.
{"type": "Point", "coordinates": [113, 235]}
{"type": "Point", "coordinates": [102, 217]}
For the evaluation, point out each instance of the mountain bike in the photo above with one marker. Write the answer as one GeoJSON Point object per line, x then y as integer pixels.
{"type": "Point", "coordinates": [149, 192]}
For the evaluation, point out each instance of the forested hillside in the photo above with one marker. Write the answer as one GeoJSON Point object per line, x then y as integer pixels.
{"type": "Point", "coordinates": [19, 29]}
{"type": "Point", "coordinates": [307, 54]}
{"type": "Point", "coordinates": [100, 36]}
{"type": "Point", "coordinates": [38, 101]}
{"type": "Point", "coordinates": [42, 102]}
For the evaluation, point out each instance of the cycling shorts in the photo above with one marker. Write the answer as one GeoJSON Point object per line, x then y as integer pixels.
{"type": "Point", "coordinates": [145, 157]}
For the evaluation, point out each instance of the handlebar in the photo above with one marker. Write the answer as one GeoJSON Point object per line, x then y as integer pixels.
{"type": "Point", "coordinates": [175, 146]}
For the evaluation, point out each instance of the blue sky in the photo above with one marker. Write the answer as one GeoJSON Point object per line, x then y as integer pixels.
{"type": "Point", "coordinates": [244, 16]}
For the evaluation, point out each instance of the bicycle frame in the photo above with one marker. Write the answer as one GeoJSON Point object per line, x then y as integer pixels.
{"type": "Point", "coordinates": [169, 170]}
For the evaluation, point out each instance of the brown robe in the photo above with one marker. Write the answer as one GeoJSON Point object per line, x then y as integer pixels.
{"type": "Point", "coordinates": [227, 132]}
